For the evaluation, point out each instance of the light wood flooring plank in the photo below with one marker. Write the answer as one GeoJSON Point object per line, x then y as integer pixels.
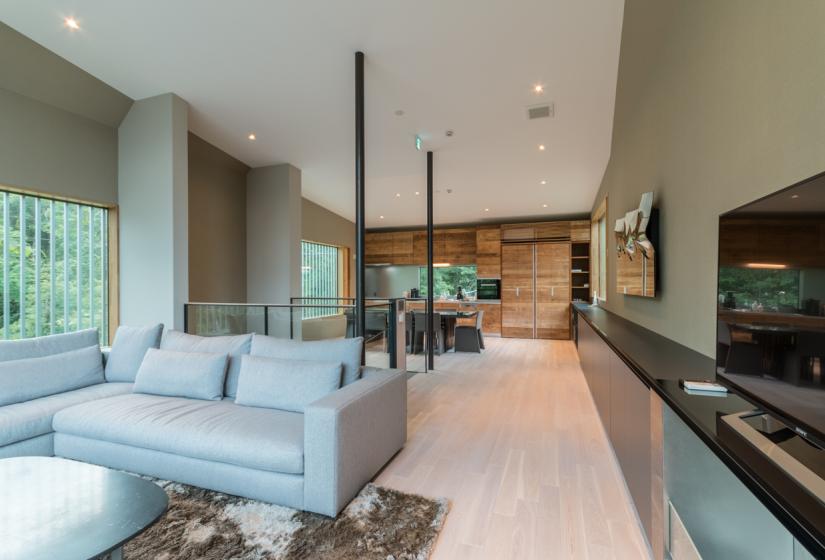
{"type": "Point", "coordinates": [512, 438]}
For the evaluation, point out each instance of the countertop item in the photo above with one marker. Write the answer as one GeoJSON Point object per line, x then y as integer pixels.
{"type": "Point", "coordinates": [660, 363]}
{"type": "Point", "coordinates": [56, 508]}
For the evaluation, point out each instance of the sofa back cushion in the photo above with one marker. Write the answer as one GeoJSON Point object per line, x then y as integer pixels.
{"type": "Point", "coordinates": [196, 375]}
{"type": "Point", "coordinates": [235, 346]}
{"type": "Point", "coordinates": [285, 384]}
{"type": "Point", "coordinates": [31, 378]}
{"type": "Point", "coordinates": [128, 350]}
{"type": "Point", "coordinates": [47, 345]}
{"type": "Point", "coordinates": [344, 350]}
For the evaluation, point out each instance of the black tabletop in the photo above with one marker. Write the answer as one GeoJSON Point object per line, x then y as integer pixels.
{"type": "Point", "coordinates": [660, 363]}
{"type": "Point", "coordinates": [55, 508]}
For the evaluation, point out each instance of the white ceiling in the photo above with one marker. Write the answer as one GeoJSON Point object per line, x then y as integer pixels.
{"type": "Point", "coordinates": [284, 70]}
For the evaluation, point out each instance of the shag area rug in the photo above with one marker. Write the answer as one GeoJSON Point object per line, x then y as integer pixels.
{"type": "Point", "coordinates": [200, 524]}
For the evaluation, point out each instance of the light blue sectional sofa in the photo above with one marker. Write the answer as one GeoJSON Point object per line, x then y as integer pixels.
{"type": "Point", "coordinates": [299, 424]}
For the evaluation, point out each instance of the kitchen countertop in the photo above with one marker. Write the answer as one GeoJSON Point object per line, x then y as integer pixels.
{"type": "Point", "coordinates": [660, 363]}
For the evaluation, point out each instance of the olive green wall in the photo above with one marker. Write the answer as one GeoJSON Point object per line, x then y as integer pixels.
{"type": "Point", "coordinates": [717, 103]}
{"type": "Point", "coordinates": [217, 224]}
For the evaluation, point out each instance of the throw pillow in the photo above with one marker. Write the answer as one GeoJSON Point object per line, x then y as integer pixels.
{"type": "Point", "coordinates": [128, 350]}
{"type": "Point", "coordinates": [344, 350]}
{"type": "Point", "coordinates": [235, 346]}
{"type": "Point", "coordinates": [197, 375]}
{"type": "Point", "coordinates": [285, 384]}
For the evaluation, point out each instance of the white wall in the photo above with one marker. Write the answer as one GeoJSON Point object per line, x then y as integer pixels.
{"type": "Point", "coordinates": [153, 191]}
{"type": "Point", "coordinates": [273, 234]}
{"type": "Point", "coordinates": [46, 149]}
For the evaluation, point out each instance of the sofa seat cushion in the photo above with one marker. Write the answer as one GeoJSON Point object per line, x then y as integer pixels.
{"type": "Point", "coordinates": [33, 418]}
{"type": "Point", "coordinates": [221, 431]}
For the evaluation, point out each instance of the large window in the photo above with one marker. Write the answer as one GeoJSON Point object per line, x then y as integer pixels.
{"type": "Point", "coordinates": [320, 277]}
{"type": "Point", "coordinates": [446, 281]}
{"type": "Point", "coordinates": [759, 289]}
{"type": "Point", "coordinates": [54, 267]}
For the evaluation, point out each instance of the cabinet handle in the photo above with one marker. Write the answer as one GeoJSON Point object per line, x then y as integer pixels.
{"type": "Point", "coordinates": [517, 290]}
{"type": "Point", "coordinates": [552, 291]}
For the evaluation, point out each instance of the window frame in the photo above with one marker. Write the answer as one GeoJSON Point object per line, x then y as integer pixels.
{"type": "Point", "coordinates": [599, 260]}
{"type": "Point", "coordinates": [111, 266]}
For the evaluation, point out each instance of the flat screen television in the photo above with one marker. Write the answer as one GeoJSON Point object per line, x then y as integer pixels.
{"type": "Point", "coordinates": [771, 305]}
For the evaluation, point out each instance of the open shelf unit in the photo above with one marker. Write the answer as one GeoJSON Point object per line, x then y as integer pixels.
{"type": "Point", "coordinates": [580, 271]}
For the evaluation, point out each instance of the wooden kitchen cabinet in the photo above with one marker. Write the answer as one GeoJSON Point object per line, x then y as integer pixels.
{"type": "Point", "coordinates": [488, 252]}
{"type": "Point", "coordinates": [378, 248]}
{"type": "Point", "coordinates": [580, 231]}
{"type": "Point", "coordinates": [552, 290]}
{"type": "Point", "coordinates": [517, 290]}
{"type": "Point", "coordinates": [460, 246]}
{"type": "Point", "coordinates": [402, 247]}
{"type": "Point", "coordinates": [491, 320]}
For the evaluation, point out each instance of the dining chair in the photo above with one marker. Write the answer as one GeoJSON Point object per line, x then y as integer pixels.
{"type": "Point", "coordinates": [468, 338]}
{"type": "Point", "coordinates": [420, 333]}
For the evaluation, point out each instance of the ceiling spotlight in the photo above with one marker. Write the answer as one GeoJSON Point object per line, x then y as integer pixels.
{"type": "Point", "coordinates": [71, 23]}
{"type": "Point", "coordinates": [794, 196]}
{"type": "Point", "coordinates": [541, 147]}
{"type": "Point", "coordinates": [417, 193]}
{"type": "Point", "coordinates": [543, 182]}
{"type": "Point", "coordinates": [252, 136]}
{"type": "Point", "coordinates": [380, 217]}
{"type": "Point", "coordinates": [538, 88]}
{"type": "Point", "coordinates": [486, 209]}
{"type": "Point", "coordinates": [544, 206]}
{"type": "Point", "coordinates": [398, 195]}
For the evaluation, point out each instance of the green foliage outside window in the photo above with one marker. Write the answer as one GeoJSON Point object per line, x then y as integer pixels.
{"type": "Point", "coordinates": [62, 251]}
{"type": "Point", "coordinates": [447, 279]}
{"type": "Point", "coordinates": [773, 289]}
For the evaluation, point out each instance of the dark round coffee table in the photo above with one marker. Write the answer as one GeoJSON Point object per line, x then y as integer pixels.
{"type": "Point", "coordinates": [55, 508]}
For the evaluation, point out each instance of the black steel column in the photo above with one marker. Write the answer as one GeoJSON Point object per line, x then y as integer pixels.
{"type": "Point", "coordinates": [360, 289]}
{"type": "Point", "coordinates": [430, 325]}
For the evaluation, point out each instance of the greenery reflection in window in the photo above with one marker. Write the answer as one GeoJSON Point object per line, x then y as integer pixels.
{"type": "Point", "coordinates": [756, 288]}
{"type": "Point", "coordinates": [446, 281]}
{"type": "Point", "coordinates": [53, 267]}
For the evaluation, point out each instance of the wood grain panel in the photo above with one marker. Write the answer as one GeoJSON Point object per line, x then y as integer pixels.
{"type": "Point", "coordinates": [378, 248]}
{"type": "Point", "coordinates": [488, 252]}
{"type": "Point", "coordinates": [491, 321]}
{"type": "Point", "coordinates": [553, 230]}
{"type": "Point", "coordinates": [402, 247]}
{"type": "Point", "coordinates": [460, 245]}
{"type": "Point", "coordinates": [518, 232]}
{"type": "Point", "coordinates": [553, 290]}
{"type": "Point", "coordinates": [580, 231]}
{"type": "Point", "coordinates": [420, 248]}
{"type": "Point", "coordinates": [797, 243]}
{"type": "Point", "coordinates": [517, 290]}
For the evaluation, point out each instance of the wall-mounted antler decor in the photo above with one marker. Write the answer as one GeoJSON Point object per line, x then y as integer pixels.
{"type": "Point", "coordinates": [636, 256]}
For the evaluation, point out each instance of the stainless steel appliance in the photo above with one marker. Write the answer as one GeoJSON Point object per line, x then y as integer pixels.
{"type": "Point", "coordinates": [488, 288]}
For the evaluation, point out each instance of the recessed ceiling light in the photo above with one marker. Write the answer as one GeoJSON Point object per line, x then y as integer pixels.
{"type": "Point", "coordinates": [541, 147]}
{"type": "Point", "coordinates": [794, 196]}
{"type": "Point", "coordinates": [486, 209]}
{"type": "Point", "coordinates": [380, 217]}
{"type": "Point", "coordinates": [544, 206]}
{"type": "Point", "coordinates": [252, 136]}
{"type": "Point", "coordinates": [71, 23]}
{"type": "Point", "coordinates": [417, 193]}
{"type": "Point", "coordinates": [398, 195]}
{"type": "Point", "coordinates": [543, 182]}
{"type": "Point", "coordinates": [538, 88]}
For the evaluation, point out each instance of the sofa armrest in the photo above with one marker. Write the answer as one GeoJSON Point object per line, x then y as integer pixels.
{"type": "Point", "coordinates": [349, 435]}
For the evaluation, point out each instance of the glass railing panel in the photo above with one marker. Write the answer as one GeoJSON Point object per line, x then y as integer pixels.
{"type": "Point", "coordinates": [223, 319]}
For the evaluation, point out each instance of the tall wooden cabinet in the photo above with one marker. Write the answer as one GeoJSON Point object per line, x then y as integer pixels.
{"type": "Point", "coordinates": [535, 290]}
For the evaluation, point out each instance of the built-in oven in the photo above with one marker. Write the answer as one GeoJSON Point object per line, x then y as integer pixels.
{"type": "Point", "coordinates": [488, 288]}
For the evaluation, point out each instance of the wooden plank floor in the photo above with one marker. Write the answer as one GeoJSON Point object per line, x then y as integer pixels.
{"type": "Point", "coordinates": [512, 438]}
